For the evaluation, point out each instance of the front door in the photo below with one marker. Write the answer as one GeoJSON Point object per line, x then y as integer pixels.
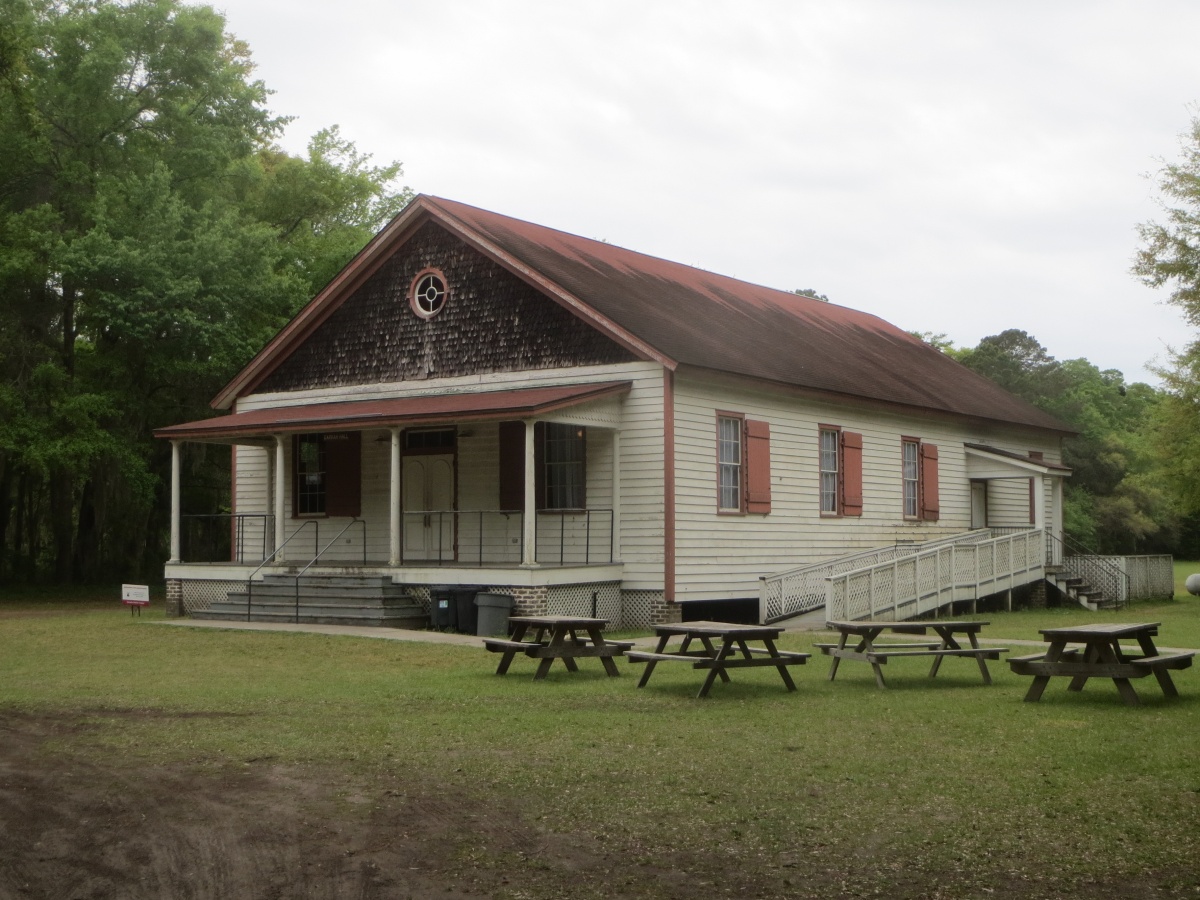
{"type": "Point", "coordinates": [428, 484]}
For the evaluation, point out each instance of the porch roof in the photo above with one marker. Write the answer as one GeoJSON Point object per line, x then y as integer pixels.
{"type": "Point", "coordinates": [358, 415]}
{"type": "Point", "coordinates": [985, 462]}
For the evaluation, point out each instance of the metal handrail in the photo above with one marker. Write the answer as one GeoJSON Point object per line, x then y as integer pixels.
{"type": "Point", "coordinates": [587, 531]}
{"type": "Point", "coordinates": [274, 553]}
{"type": "Point", "coordinates": [1091, 566]}
{"type": "Point", "coordinates": [238, 548]}
{"type": "Point", "coordinates": [313, 561]}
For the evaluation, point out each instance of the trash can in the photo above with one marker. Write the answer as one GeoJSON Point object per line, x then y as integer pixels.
{"type": "Point", "coordinates": [493, 610]}
{"type": "Point", "coordinates": [464, 608]}
{"type": "Point", "coordinates": [443, 609]}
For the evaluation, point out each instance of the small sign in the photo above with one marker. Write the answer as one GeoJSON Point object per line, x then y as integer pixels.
{"type": "Point", "coordinates": [135, 594]}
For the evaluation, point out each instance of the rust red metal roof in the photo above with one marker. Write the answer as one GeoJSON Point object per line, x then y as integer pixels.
{"type": "Point", "coordinates": [364, 414]}
{"type": "Point", "coordinates": [678, 315]}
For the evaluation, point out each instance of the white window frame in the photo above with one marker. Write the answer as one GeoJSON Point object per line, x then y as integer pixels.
{"type": "Point", "coordinates": [830, 466]}
{"type": "Point", "coordinates": [731, 456]}
{"type": "Point", "coordinates": [911, 476]}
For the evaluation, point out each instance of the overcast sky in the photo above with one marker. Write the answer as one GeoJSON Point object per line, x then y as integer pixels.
{"type": "Point", "coordinates": [955, 167]}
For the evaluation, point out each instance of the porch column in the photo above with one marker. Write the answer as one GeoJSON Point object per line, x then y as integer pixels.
{"type": "Point", "coordinates": [616, 495]}
{"type": "Point", "coordinates": [529, 511]}
{"type": "Point", "coordinates": [1039, 501]}
{"type": "Point", "coordinates": [394, 507]}
{"type": "Point", "coordinates": [175, 508]}
{"type": "Point", "coordinates": [1056, 523]}
{"type": "Point", "coordinates": [280, 472]}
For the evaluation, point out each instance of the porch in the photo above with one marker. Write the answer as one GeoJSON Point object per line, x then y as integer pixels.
{"type": "Point", "coordinates": [428, 490]}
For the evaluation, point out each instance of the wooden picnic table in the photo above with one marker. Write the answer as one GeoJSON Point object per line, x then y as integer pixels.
{"type": "Point", "coordinates": [865, 649]}
{"type": "Point", "coordinates": [718, 647]}
{"type": "Point", "coordinates": [547, 638]}
{"type": "Point", "coordinates": [1101, 656]}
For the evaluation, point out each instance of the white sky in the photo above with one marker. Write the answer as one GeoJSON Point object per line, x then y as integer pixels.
{"type": "Point", "coordinates": [953, 166]}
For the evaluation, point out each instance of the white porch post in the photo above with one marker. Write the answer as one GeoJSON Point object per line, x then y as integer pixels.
{"type": "Point", "coordinates": [175, 494]}
{"type": "Point", "coordinates": [616, 495]}
{"type": "Point", "coordinates": [529, 511]}
{"type": "Point", "coordinates": [394, 503]}
{"type": "Point", "coordinates": [280, 471]}
{"type": "Point", "coordinates": [1039, 503]}
{"type": "Point", "coordinates": [1056, 523]}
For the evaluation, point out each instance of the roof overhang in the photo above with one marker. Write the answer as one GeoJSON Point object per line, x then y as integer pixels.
{"type": "Point", "coordinates": [985, 463]}
{"type": "Point", "coordinates": [363, 415]}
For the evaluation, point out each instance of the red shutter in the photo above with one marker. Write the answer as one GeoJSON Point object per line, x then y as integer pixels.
{"type": "Point", "coordinates": [929, 482]}
{"type": "Point", "coordinates": [512, 466]}
{"type": "Point", "coordinates": [852, 483]}
{"type": "Point", "coordinates": [343, 474]}
{"type": "Point", "coordinates": [758, 467]}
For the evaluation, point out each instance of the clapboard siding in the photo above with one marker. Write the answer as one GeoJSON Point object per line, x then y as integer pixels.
{"type": "Point", "coordinates": [721, 555]}
{"type": "Point", "coordinates": [639, 420]}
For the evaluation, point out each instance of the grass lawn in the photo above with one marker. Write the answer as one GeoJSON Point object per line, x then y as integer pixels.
{"type": "Point", "coordinates": [931, 788]}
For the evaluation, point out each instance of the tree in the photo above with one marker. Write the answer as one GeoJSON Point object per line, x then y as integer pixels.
{"type": "Point", "coordinates": [1115, 501]}
{"type": "Point", "coordinates": [810, 292]}
{"type": "Point", "coordinates": [152, 238]}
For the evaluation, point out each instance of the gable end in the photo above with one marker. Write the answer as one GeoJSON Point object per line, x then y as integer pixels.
{"type": "Point", "coordinates": [494, 322]}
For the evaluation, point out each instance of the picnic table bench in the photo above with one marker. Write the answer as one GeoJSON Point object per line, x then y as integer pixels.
{"type": "Point", "coordinates": [1101, 656]}
{"type": "Point", "coordinates": [565, 638]}
{"type": "Point", "coordinates": [867, 650]}
{"type": "Point", "coordinates": [733, 652]}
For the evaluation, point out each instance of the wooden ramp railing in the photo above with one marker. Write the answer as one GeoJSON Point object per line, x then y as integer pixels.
{"type": "Point", "coordinates": [905, 580]}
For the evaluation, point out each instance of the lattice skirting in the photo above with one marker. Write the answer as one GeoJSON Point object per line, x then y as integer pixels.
{"type": "Point", "coordinates": [576, 600]}
{"type": "Point", "coordinates": [641, 609]}
{"type": "Point", "coordinates": [199, 595]}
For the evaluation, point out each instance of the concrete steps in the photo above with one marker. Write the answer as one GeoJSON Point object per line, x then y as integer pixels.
{"type": "Point", "coordinates": [322, 600]}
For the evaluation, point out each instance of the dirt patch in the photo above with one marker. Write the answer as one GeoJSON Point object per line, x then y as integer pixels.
{"type": "Point", "coordinates": [80, 828]}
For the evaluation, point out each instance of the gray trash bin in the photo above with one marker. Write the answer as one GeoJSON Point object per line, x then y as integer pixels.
{"type": "Point", "coordinates": [493, 610]}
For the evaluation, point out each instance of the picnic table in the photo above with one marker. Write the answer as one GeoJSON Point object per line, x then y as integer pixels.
{"type": "Point", "coordinates": [718, 647]}
{"type": "Point", "coordinates": [1101, 656]}
{"type": "Point", "coordinates": [865, 649]}
{"type": "Point", "coordinates": [547, 638]}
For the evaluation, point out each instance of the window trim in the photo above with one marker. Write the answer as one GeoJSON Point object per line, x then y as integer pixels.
{"type": "Point", "coordinates": [822, 430]}
{"type": "Point", "coordinates": [418, 311]}
{"type": "Point", "coordinates": [915, 443]}
{"type": "Point", "coordinates": [543, 465]}
{"type": "Point", "coordinates": [317, 438]}
{"type": "Point", "coordinates": [740, 509]}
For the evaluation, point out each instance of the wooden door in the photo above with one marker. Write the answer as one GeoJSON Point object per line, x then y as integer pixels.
{"type": "Point", "coordinates": [428, 483]}
{"type": "Point", "coordinates": [979, 504]}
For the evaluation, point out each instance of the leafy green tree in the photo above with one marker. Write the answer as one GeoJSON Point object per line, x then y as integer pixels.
{"type": "Point", "coordinates": [1169, 257]}
{"type": "Point", "coordinates": [1115, 500]}
{"type": "Point", "coordinates": [152, 238]}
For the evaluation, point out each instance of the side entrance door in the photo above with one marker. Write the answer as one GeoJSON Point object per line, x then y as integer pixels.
{"type": "Point", "coordinates": [428, 484]}
{"type": "Point", "coordinates": [979, 504]}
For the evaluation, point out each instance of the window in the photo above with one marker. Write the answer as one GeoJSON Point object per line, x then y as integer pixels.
{"type": "Point", "coordinates": [427, 295]}
{"type": "Point", "coordinates": [912, 478]}
{"type": "Point", "coordinates": [729, 464]}
{"type": "Point", "coordinates": [327, 474]}
{"type": "Point", "coordinates": [743, 465]}
{"type": "Point", "coordinates": [830, 470]}
{"type": "Point", "coordinates": [563, 469]}
{"type": "Point", "coordinates": [560, 464]}
{"type": "Point", "coordinates": [920, 479]}
{"type": "Point", "coordinates": [840, 465]}
{"type": "Point", "coordinates": [310, 475]}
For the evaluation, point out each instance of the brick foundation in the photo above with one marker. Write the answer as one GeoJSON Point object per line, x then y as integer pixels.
{"type": "Point", "coordinates": [174, 604]}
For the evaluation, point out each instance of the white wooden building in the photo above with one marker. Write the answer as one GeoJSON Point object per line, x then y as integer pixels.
{"type": "Point", "coordinates": [480, 400]}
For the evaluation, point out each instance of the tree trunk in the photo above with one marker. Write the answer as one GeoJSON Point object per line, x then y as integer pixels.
{"type": "Point", "coordinates": [62, 522]}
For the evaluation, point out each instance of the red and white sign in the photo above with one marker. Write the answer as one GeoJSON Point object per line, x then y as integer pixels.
{"type": "Point", "coordinates": [135, 594]}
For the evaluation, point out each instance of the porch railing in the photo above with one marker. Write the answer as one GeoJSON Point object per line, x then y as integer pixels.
{"type": "Point", "coordinates": [933, 576]}
{"type": "Point", "coordinates": [226, 537]}
{"type": "Point", "coordinates": [802, 589]}
{"type": "Point", "coordinates": [1104, 573]}
{"type": "Point", "coordinates": [482, 537]}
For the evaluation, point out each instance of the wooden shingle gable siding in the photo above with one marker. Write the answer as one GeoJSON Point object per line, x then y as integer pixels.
{"type": "Point", "coordinates": [493, 322]}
